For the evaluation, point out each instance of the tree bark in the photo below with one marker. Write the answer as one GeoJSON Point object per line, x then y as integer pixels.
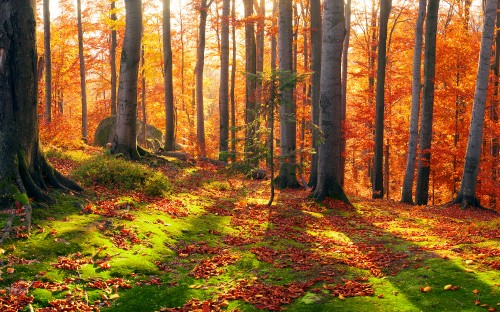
{"type": "Point", "coordinates": [344, 88]}
{"type": "Point", "coordinates": [272, 95]}
{"type": "Point", "coordinates": [23, 166]}
{"type": "Point", "coordinates": [168, 80]}
{"type": "Point", "coordinates": [422, 191]}
{"type": "Point", "coordinates": [333, 31]}
{"type": "Point", "coordinates": [224, 83]}
{"type": "Point", "coordinates": [287, 176]}
{"type": "Point", "coordinates": [47, 57]}
{"type": "Point", "coordinates": [467, 193]}
{"type": "Point", "coordinates": [83, 84]}
{"type": "Point", "coordinates": [378, 173]}
{"type": "Point", "coordinates": [251, 86]}
{"type": "Point", "coordinates": [233, 81]}
{"type": "Point", "coordinates": [112, 59]}
{"type": "Point", "coordinates": [200, 63]}
{"type": "Point", "coordinates": [407, 192]}
{"type": "Point", "coordinates": [126, 124]}
{"type": "Point", "coordinates": [315, 85]}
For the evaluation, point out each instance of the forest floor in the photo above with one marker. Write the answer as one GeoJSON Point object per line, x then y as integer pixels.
{"type": "Point", "coordinates": [211, 243]}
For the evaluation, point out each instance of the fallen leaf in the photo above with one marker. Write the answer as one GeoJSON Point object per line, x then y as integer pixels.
{"type": "Point", "coordinates": [341, 297]}
{"type": "Point", "coordinates": [475, 291]}
{"type": "Point", "coordinates": [114, 296]}
{"type": "Point", "coordinates": [380, 296]}
{"type": "Point", "coordinates": [469, 262]}
{"type": "Point", "coordinates": [10, 270]}
{"type": "Point", "coordinates": [448, 287]}
{"type": "Point", "coordinates": [425, 289]}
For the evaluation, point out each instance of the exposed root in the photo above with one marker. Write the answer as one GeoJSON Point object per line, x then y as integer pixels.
{"type": "Point", "coordinates": [466, 201]}
{"type": "Point", "coordinates": [7, 228]}
{"type": "Point", "coordinates": [331, 189]}
{"type": "Point", "coordinates": [27, 206]}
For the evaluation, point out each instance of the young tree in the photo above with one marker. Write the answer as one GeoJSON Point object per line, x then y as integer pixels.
{"type": "Point", "coordinates": [407, 192]}
{"type": "Point", "coordinates": [224, 83]}
{"type": "Point", "coordinates": [168, 80]}
{"type": "Point", "coordinates": [378, 173]}
{"type": "Point", "coordinates": [315, 84]}
{"type": "Point", "coordinates": [251, 85]}
{"type": "Point", "coordinates": [112, 59]}
{"type": "Point", "coordinates": [200, 63]}
{"type": "Point", "coordinates": [48, 61]}
{"type": "Point", "coordinates": [424, 162]}
{"type": "Point", "coordinates": [125, 140]}
{"type": "Point", "coordinates": [287, 176]}
{"type": "Point", "coordinates": [83, 85]}
{"type": "Point", "coordinates": [333, 30]}
{"type": "Point", "coordinates": [23, 168]}
{"type": "Point", "coordinates": [467, 193]}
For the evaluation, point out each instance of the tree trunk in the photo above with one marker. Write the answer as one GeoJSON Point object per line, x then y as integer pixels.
{"type": "Point", "coordinates": [83, 84]}
{"type": "Point", "coordinates": [331, 101]}
{"type": "Point", "coordinates": [467, 193]}
{"type": "Point", "coordinates": [112, 59]}
{"type": "Point", "coordinates": [344, 88]}
{"type": "Point", "coordinates": [126, 124]}
{"type": "Point", "coordinates": [143, 98]}
{"type": "Point", "coordinates": [23, 166]}
{"type": "Point", "coordinates": [287, 176]}
{"type": "Point", "coordinates": [315, 84]}
{"type": "Point", "coordinates": [407, 193]}
{"type": "Point", "coordinates": [233, 81]}
{"type": "Point", "coordinates": [47, 57]}
{"type": "Point", "coordinates": [378, 173]}
{"type": "Point", "coordinates": [200, 63]}
{"type": "Point", "coordinates": [224, 83]}
{"type": "Point", "coordinates": [251, 86]}
{"type": "Point", "coordinates": [168, 80]}
{"type": "Point", "coordinates": [424, 162]}
{"type": "Point", "coordinates": [272, 96]}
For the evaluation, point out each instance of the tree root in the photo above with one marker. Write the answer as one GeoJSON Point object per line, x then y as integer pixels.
{"type": "Point", "coordinates": [331, 189]}
{"type": "Point", "coordinates": [466, 201]}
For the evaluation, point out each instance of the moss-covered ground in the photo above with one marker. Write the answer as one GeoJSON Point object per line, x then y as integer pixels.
{"type": "Point", "coordinates": [206, 241]}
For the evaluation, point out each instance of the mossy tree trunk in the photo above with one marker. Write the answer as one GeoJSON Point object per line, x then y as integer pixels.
{"type": "Point", "coordinates": [22, 163]}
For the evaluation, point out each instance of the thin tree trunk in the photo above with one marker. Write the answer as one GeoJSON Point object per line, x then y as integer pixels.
{"type": "Point", "coordinates": [495, 148]}
{"type": "Point", "coordinates": [422, 191]}
{"type": "Point", "coordinates": [112, 59]}
{"type": "Point", "coordinates": [344, 88]}
{"type": "Point", "coordinates": [272, 97]}
{"type": "Point", "coordinates": [315, 85]}
{"type": "Point", "coordinates": [143, 98]}
{"type": "Point", "coordinates": [407, 192]}
{"type": "Point", "coordinates": [378, 173]}
{"type": "Point", "coordinates": [287, 176]}
{"type": "Point", "coordinates": [224, 83]}
{"type": "Point", "coordinates": [233, 81]}
{"type": "Point", "coordinates": [251, 86]}
{"type": "Point", "coordinates": [126, 124]}
{"type": "Point", "coordinates": [83, 84]}
{"type": "Point", "coordinates": [168, 80]}
{"type": "Point", "coordinates": [467, 193]}
{"type": "Point", "coordinates": [47, 57]}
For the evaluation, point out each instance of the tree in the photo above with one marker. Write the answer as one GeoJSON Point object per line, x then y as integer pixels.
{"type": "Point", "coordinates": [48, 61]}
{"type": "Point", "coordinates": [112, 59]}
{"type": "Point", "coordinates": [125, 141]}
{"type": "Point", "coordinates": [344, 85]}
{"type": "Point", "coordinates": [200, 63]}
{"type": "Point", "coordinates": [315, 85]}
{"type": "Point", "coordinates": [23, 167]}
{"type": "Point", "coordinates": [168, 80]}
{"type": "Point", "coordinates": [224, 83]}
{"type": "Point", "coordinates": [378, 173]}
{"type": "Point", "coordinates": [233, 80]}
{"type": "Point", "coordinates": [251, 85]}
{"type": "Point", "coordinates": [406, 196]}
{"type": "Point", "coordinates": [83, 85]}
{"type": "Point", "coordinates": [287, 176]}
{"type": "Point", "coordinates": [467, 193]}
{"type": "Point", "coordinates": [333, 30]}
{"type": "Point", "coordinates": [422, 191]}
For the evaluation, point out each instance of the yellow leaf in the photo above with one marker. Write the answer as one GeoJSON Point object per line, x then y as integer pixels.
{"type": "Point", "coordinates": [475, 291]}
{"type": "Point", "coordinates": [341, 297]}
{"type": "Point", "coordinates": [10, 270]}
{"type": "Point", "coordinates": [425, 289]}
{"type": "Point", "coordinates": [469, 262]}
{"type": "Point", "coordinates": [448, 287]}
{"type": "Point", "coordinates": [114, 296]}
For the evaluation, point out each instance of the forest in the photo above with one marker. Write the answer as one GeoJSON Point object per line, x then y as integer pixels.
{"type": "Point", "coordinates": [223, 155]}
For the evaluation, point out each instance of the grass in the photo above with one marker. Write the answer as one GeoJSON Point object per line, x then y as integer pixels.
{"type": "Point", "coordinates": [204, 238]}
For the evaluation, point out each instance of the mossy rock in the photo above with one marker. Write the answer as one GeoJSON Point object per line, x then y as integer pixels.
{"type": "Point", "coordinates": [106, 130]}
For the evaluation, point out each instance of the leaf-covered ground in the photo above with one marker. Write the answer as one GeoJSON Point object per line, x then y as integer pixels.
{"type": "Point", "coordinates": [214, 245]}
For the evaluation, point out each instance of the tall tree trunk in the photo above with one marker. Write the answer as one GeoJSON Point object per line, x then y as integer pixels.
{"type": "Point", "coordinates": [125, 140]}
{"type": "Point", "coordinates": [143, 98]}
{"type": "Point", "coordinates": [344, 88]}
{"type": "Point", "coordinates": [333, 29]}
{"type": "Point", "coordinates": [259, 49]}
{"type": "Point", "coordinates": [224, 83]}
{"type": "Point", "coordinates": [200, 64]}
{"type": "Point", "coordinates": [168, 80]}
{"type": "Point", "coordinates": [495, 147]}
{"type": "Point", "coordinates": [272, 96]}
{"type": "Point", "coordinates": [233, 81]}
{"type": "Point", "coordinates": [378, 173]}
{"type": "Point", "coordinates": [467, 193]}
{"type": "Point", "coordinates": [251, 86]}
{"type": "Point", "coordinates": [112, 59]}
{"type": "Point", "coordinates": [83, 84]}
{"type": "Point", "coordinates": [47, 60]}
{"type": "Point", "coordinates": [422, 191]}
{"type": "Point", "coordinates": [407, 192]}
{"type": "Point", "coordinates": [23, 168]}
{"type": "Point", "coordinates": [287, 176]}
{"type": "Point", "coordinates": [315, 84]}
